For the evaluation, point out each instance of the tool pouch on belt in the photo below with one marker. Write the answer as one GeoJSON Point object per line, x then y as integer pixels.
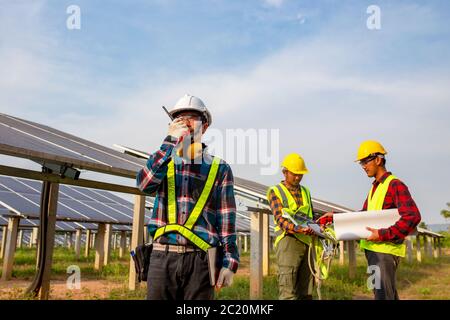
{"type": "Point", "coordinates": [141, 258]}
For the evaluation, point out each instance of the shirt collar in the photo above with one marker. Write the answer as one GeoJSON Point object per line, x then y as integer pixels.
{"type": "Point", "coordinates": [290, 189]}
{"type": "Point", "coordinates": [383, 178]}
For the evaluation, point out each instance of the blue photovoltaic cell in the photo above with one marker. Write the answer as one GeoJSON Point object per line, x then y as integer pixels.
{"type": "Point", "coordinates": [93, 196]}
{"type": "Point", "coordinates": [36, 185]}
{"type": "Point", "coordinates": [128, 210]}
{"type": "Point", "coordinates": [112, 197]}
{"type": "Point", "coordinates": [20, 204]}
{"type": "Point", "coordinates": [93, 215]}
{"type": "Point", "coordinates": [70, 193]}
{"type": "Point", "coordinates": [83, 149]}
{"type": "Point", "coordinates": [110, 212]}
{"type": "Point", "coordinates": [18, 187]}
{"type": "Point", "coordinates": [71, 209]}
{"type": "Point", "coordinates": [74, 203]}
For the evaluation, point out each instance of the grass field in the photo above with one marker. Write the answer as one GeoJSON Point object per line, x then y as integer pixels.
{"type": "Point", "coordinates": [427, 280]}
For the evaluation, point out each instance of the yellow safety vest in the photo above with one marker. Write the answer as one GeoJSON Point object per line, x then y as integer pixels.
{"type": "Point", "coordinates": [290, 206]}
{"type": "Point", "coordinates": [185, 230]}
{"type": "Point", "coordinates": [375, 201]}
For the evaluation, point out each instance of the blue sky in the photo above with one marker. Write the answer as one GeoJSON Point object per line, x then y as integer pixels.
{"type": "Point", "coordinates": [311, 69]}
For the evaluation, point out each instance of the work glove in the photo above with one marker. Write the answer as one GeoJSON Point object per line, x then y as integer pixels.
{"type": "Point", "coordinates": [178, 128]}
{"type": "Point", "coordinates": [225, 278]}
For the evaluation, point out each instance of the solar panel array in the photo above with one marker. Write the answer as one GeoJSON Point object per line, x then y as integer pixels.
{"type": "Point", "coordinates": [22, 197]}
{"type": "Point", "coordinates": [45, 143]}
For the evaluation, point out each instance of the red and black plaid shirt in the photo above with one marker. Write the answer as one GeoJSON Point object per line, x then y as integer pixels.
{"type": "Point", "coordinates": [398, 197]}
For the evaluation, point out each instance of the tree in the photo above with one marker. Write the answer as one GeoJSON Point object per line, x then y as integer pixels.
{"type": "Point", "coordinates": [423, 225]}
{"type": "Point", "coordinates": [446, 212]}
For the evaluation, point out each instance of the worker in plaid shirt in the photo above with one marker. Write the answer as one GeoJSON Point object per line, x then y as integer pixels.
{"type": "Point", "coordinates": [176, 274]}
{"type": "Point", "coordinates": [384, 247]}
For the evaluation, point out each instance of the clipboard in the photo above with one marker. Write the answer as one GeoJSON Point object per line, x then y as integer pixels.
{"type": "Point", "coordinates": [215, 260]}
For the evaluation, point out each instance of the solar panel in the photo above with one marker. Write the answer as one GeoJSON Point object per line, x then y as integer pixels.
{"type": "Point", "coordinates": [105, 196]}
{"type": "Point", "coordinates": [10, 183]}
{"type": "Point", "coordinates": [68, 192]}
{"type": "Point", "coordinates": [21, 196]}
{"type": "Point", "coordinates": [20, 204]}
{"type": "Point", "coordinates": [74, 210]}
{"type": "Point", "coordinates": [39, 138]}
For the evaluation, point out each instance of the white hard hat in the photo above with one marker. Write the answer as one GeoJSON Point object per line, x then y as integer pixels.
{"type": "Point", "coordinates": [188, 102]}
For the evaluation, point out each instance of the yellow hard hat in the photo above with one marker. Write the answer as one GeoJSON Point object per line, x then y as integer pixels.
{"type": "Point", "coordinates": [294, 163]}
{"type": "Point", "coordinates": [369, 147]}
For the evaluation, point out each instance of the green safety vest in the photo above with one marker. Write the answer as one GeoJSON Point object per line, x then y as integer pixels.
{"type": "Point", "coordinates": [290, 206]}
{"type": "Point", "coordinates": [186, 229]}
{"type": "Point", "coordinates": [375, 201]}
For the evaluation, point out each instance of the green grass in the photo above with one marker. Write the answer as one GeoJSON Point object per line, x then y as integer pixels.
{"type": "Point", "coordinates": [25, 265]}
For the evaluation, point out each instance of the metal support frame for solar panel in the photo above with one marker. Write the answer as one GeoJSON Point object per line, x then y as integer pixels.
{"type": "Point", "coordinates": [23, 188]}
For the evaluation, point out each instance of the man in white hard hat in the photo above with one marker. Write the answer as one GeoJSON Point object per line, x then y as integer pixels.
{"type": "Point", "coordinates": [292, 242]}
{"type": "Point", "coordinates": [194, 210]}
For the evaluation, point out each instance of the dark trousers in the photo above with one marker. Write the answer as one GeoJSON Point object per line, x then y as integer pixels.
{"type": "Point", "coordinates": [387, 264]}
{"type": "Point", "coordinates": [175, 276]}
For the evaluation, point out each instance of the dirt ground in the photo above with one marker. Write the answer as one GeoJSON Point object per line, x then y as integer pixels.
{"type": "Point", "coordinates": [90, 289]}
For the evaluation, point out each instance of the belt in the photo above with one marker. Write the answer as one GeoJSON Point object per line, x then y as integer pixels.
{"type": "Point", "coordinates": [174, 248]}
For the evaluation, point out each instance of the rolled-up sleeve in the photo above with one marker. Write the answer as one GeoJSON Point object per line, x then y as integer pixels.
{"type": "Point", "coordinates": [150, 177]}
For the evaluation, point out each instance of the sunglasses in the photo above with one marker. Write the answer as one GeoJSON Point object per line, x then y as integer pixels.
{"type": "Point", "coordinates": [365, 161]}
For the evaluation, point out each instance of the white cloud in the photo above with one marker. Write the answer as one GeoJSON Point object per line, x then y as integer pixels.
{"type": "Point", "coordinates": [318, 92]}
{"type": "Point", "coordinates": [274, 3]}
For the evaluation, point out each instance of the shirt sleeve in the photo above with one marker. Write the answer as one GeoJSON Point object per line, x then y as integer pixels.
{"type": "Point", "coordinates": [409, 214]}
{"type": "Point", "coordinates": [276, 207]}
{"type": "Point", "coordinates": [150, 177]}
{"type": "Point", "coordinates": [226, 219]}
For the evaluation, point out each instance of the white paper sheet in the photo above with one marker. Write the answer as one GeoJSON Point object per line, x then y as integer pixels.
{"type": "Point", "coordinates": [352, 225]}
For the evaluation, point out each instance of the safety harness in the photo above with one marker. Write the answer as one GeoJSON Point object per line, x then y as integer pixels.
{"type": "Point", "coordinates": [186, 229]}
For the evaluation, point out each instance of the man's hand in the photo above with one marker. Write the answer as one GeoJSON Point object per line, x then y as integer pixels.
{"type": "Point", "coordinates": [328, 217]}
{"type": "Point", "coordinates": [374, 236]}
{"type": "Point", "coordinates": [325, 219]}
{"type": "Point", "coordinates": [225, 278]}
{"type": "Point", "coordinates": [178, 128]}
{"type": "Point", "coordinates": [308, 231]}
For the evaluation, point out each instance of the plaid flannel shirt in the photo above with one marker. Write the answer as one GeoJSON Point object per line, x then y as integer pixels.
{"type": "Point", "coordinates": [276, 206]}
{"type": "Point", "coordinates": [217, 223]}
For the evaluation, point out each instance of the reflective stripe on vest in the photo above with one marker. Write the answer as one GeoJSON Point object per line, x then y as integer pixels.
{"type": "Point", "coordinates": [291, 207]}
{"type": "Point", "coordinates": [185, 230]}
{"type": "Point", "coordinates": [375, 201]}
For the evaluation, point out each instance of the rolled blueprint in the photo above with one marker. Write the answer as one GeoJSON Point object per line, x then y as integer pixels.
{"type": "Point", "coordinates": [352, 225]}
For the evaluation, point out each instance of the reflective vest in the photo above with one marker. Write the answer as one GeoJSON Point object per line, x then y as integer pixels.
{"type": "Point", "coordinates": [375, 201]}
{"type": "Point", "coordinates": [290, 206]}
{"type": "Point", "coordinates": [186, 229]}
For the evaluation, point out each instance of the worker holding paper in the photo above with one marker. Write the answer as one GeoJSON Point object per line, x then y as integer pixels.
{"type": "Point", "coordinates": [194, 211]}
{"type": "Point", "coordinates": [292, 242]}
{"type": "Point", "coordinates": [384, 247]}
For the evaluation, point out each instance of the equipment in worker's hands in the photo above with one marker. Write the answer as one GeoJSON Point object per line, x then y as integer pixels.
{"type": "Point", "coordinates": [321, 250]}
{"type": "Point", "coordinates": [190, 151]}
{"type": "Point", "coordinates": [300, 219]}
